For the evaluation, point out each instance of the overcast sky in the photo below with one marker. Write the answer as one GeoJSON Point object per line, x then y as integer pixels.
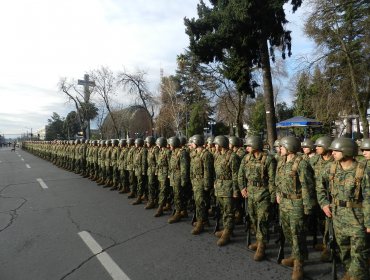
{"type": "Point", "coordinates": [44, 40]}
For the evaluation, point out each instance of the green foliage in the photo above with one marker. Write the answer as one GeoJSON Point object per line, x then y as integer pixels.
{"type": "Point", "coordinates": [71, 124]}
{"type": "Point", "coordinates": [283, 111]}
{"type": "Point", "coordinates": [220, 129]}
{"type": "Point", "coordinates": [198, 119]}
{"type": "Point", "coordinates": [54, 129]}
{"type": "Point", "coordinates": [257, 119]}
{"type": "Point", "coordinates": [304, 94]}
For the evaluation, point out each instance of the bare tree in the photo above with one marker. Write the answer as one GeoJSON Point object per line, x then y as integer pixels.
{"type": "Point", "coordinates": [137, 86]}
{"type": "Point", "coordinates": [86, 110]}
{"type": "Point", "coordinates": [106, 87]}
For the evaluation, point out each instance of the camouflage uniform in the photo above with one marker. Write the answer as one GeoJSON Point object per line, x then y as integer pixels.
{"type": "Point", "coordinates": [350, 192]}
{"type": "Point", "coordinates": [257, 174]}
{"type": "Point", "coordinates": [179, 177]}
{"type": "Point", "coordinates": [130, 169]}
{"type": "Point", "coordinates": [162, 170]}
{"type": "Point", "coordinates": [114, 164]}
{"type": "Point", "coordinates": [296, 190]}
{"type": "Point", "coordinates": [226, 166]}
{"type": "Point", "coordinates": [201, 175]}
{"type": "Point", "coordinates": [140, 169]}
{"type": "Point", "coordinates": [153, 153]}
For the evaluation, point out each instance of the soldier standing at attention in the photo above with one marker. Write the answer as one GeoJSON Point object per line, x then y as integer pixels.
{"type": "Point", "coordinates": [130, 167]}
{"type": "Point", "coordinates": [122, 165]}
{"type": "Point", "coordinates": [226, 166]}
{"type": "Point", "coordinates": [140, 168]}
{"type": "Point", "coordinates": [108, 164]}
{"type": "Point", "coordinates": [201, 176]}
{"type": "Point", "coordinates": [295, 194]}
{"type": "Point", "coordinates": [257, 183]}
{"type": "Point", "coordinates": [162, 170]}
{"type": "Point", "coordinates": [324, 159]}
{"type": "Point", "coordinates": [114, 164]}
{"type": "Point", "coordinates": [179, 176]}
{"type": "Point", "coordinates": [153, 153]}
{"type": "Point", "coordinates": [308, 148]}
{"type": "Point", "coordinates": [349, 207]}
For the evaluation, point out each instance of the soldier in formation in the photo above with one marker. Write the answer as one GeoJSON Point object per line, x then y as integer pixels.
{"type": "Point", "coordinates": [327, 180]}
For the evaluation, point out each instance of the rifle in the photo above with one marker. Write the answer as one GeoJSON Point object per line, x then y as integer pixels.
{"type": "Point", "coordinates": [331, 245]}
{"type": "Point", "coordinates": [247, 222]}
{"type": "Point", "coordinates": [281, 241]}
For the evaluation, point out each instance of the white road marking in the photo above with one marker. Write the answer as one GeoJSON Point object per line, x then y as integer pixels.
{"type": "Point", "coordinates": [112, 268]}
{"type": "Point", "coordinates": [42, 183]}
{"type": "Point", "coordinates": [28, 166]}
{"type": "Point", "coordinates": [22, 159]}
{"type": "Point", "coordinates": [19, 155]}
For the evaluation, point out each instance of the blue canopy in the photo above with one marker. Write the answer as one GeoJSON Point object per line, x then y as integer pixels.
{"type": "Point", "coordinates": [299, 121]}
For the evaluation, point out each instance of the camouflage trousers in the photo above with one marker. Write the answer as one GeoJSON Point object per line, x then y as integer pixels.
{"type": "Point", "coordinates": [115, 175]}
{"type": "Point", "coordinates": [258, 210]}
{"type": "Point", "coordinates": [226, 205]}
{"type": "Point", "coordinates": [292, 220]}
{"type": "Point", "coordinates": [124, 178]}
{"type": "Point", "coordinates": [152, 187]}
{"type": "Point", "coordinates": [102, 172]}
{"type": "Point", "coordinates": [140, 184]}
{"type": "Point", "coordinates": [178, 196]}
{"type": "Point", "coordinates": [350, 236]}
{"type": "Point", "coordinates": [108, 172]}
{"type": "Point", "coordinates": [200, 197]}
{"type": "Point", "coordinates": [163, 191]}
{"type": "Point", "coordinates": [132, 181]}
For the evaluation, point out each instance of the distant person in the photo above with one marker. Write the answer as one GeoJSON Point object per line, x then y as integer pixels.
{"type": "Point", "coordinates": [14, 145]}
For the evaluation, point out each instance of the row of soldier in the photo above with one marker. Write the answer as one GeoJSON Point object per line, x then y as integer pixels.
{"type": "Point", "coordinates": [326, 182]}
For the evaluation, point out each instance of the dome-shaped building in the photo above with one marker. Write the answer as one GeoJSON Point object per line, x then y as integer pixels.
{"type": "Point", "coordinates": [134, 121]}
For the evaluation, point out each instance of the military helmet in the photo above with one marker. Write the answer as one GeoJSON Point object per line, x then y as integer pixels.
{"type": "Point", "coordinates": [131, 141]}
{"type": "Point", "coordinates": [197, 139]}
{"type": "Point", "coordinates": [108, 142]}
{"type": "Point", "coordinates": [161, 142]}
{"type": "Point", "coordinates": [102, 142]}
{"type": "Point", "coordinates": [139, 142]}
{"type": "Point", "coordinates": [174, 141]}
{"type": "Point", "coordinates": [365, 144]}
{"type": "Point", "coordinates": [210, 140]}
{"type": "Point", "coordinates": [115, 142]}
{"type": "Point", "coordinates": [77, 141]}
{"type": "Point", "coordinates": [183, 140]}
{"type": "Point", "coordinates": [291, 143]}
{"type": "Point", "coordinates": [233, 140]}
{"type": "Point", "coordinates": [83, 140]}
{"type": "Point", "coordinates": [308, 143]}
{"type": "Point", "coordinates": [255, 142]}
{"type": "Point", "coordinates": [277, 143]}
{"type": "Point", "coordinates": [150, 140]}
{"type": "Point", "coordinates": [122, 142]}
{"type": "Point", "coordinates": [222, 141]}
{"type": "Point", "coordinates": [324, 142]}
{"type": "Point", "coordinates": [345, 145]}
{"type": "Point", "coordinates": [95, 142]}
{"type": "Point", "coordinates": [86, 141]}
{"type": "Point", "coordinates": [71, 142]}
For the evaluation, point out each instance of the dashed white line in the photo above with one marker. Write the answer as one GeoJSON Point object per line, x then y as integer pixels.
{"type": "Point", "coordinates": [112, 268]}
{"type": "Point", "coordinates": [22, 159]}
{"type": "Point", "coordinates": [28, 166]}
{"type": "Point", "coordinates": [42, 183]}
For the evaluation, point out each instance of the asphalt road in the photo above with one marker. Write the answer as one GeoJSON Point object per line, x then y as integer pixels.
{"type": "Point", "coordinates": [55, 224]}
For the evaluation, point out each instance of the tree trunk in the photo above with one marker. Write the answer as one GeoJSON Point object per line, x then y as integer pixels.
{"type": "Point", "coordinates": [349, 127]}
{"type": "Point", "coordinates": [268, 94]}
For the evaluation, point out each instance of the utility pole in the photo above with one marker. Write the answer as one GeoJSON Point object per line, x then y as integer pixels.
{"type": "Point", "coordinates": [87, 83]}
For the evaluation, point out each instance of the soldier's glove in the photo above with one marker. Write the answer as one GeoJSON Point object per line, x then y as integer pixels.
{"type": "Point", "coordinates": [308, 212]}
